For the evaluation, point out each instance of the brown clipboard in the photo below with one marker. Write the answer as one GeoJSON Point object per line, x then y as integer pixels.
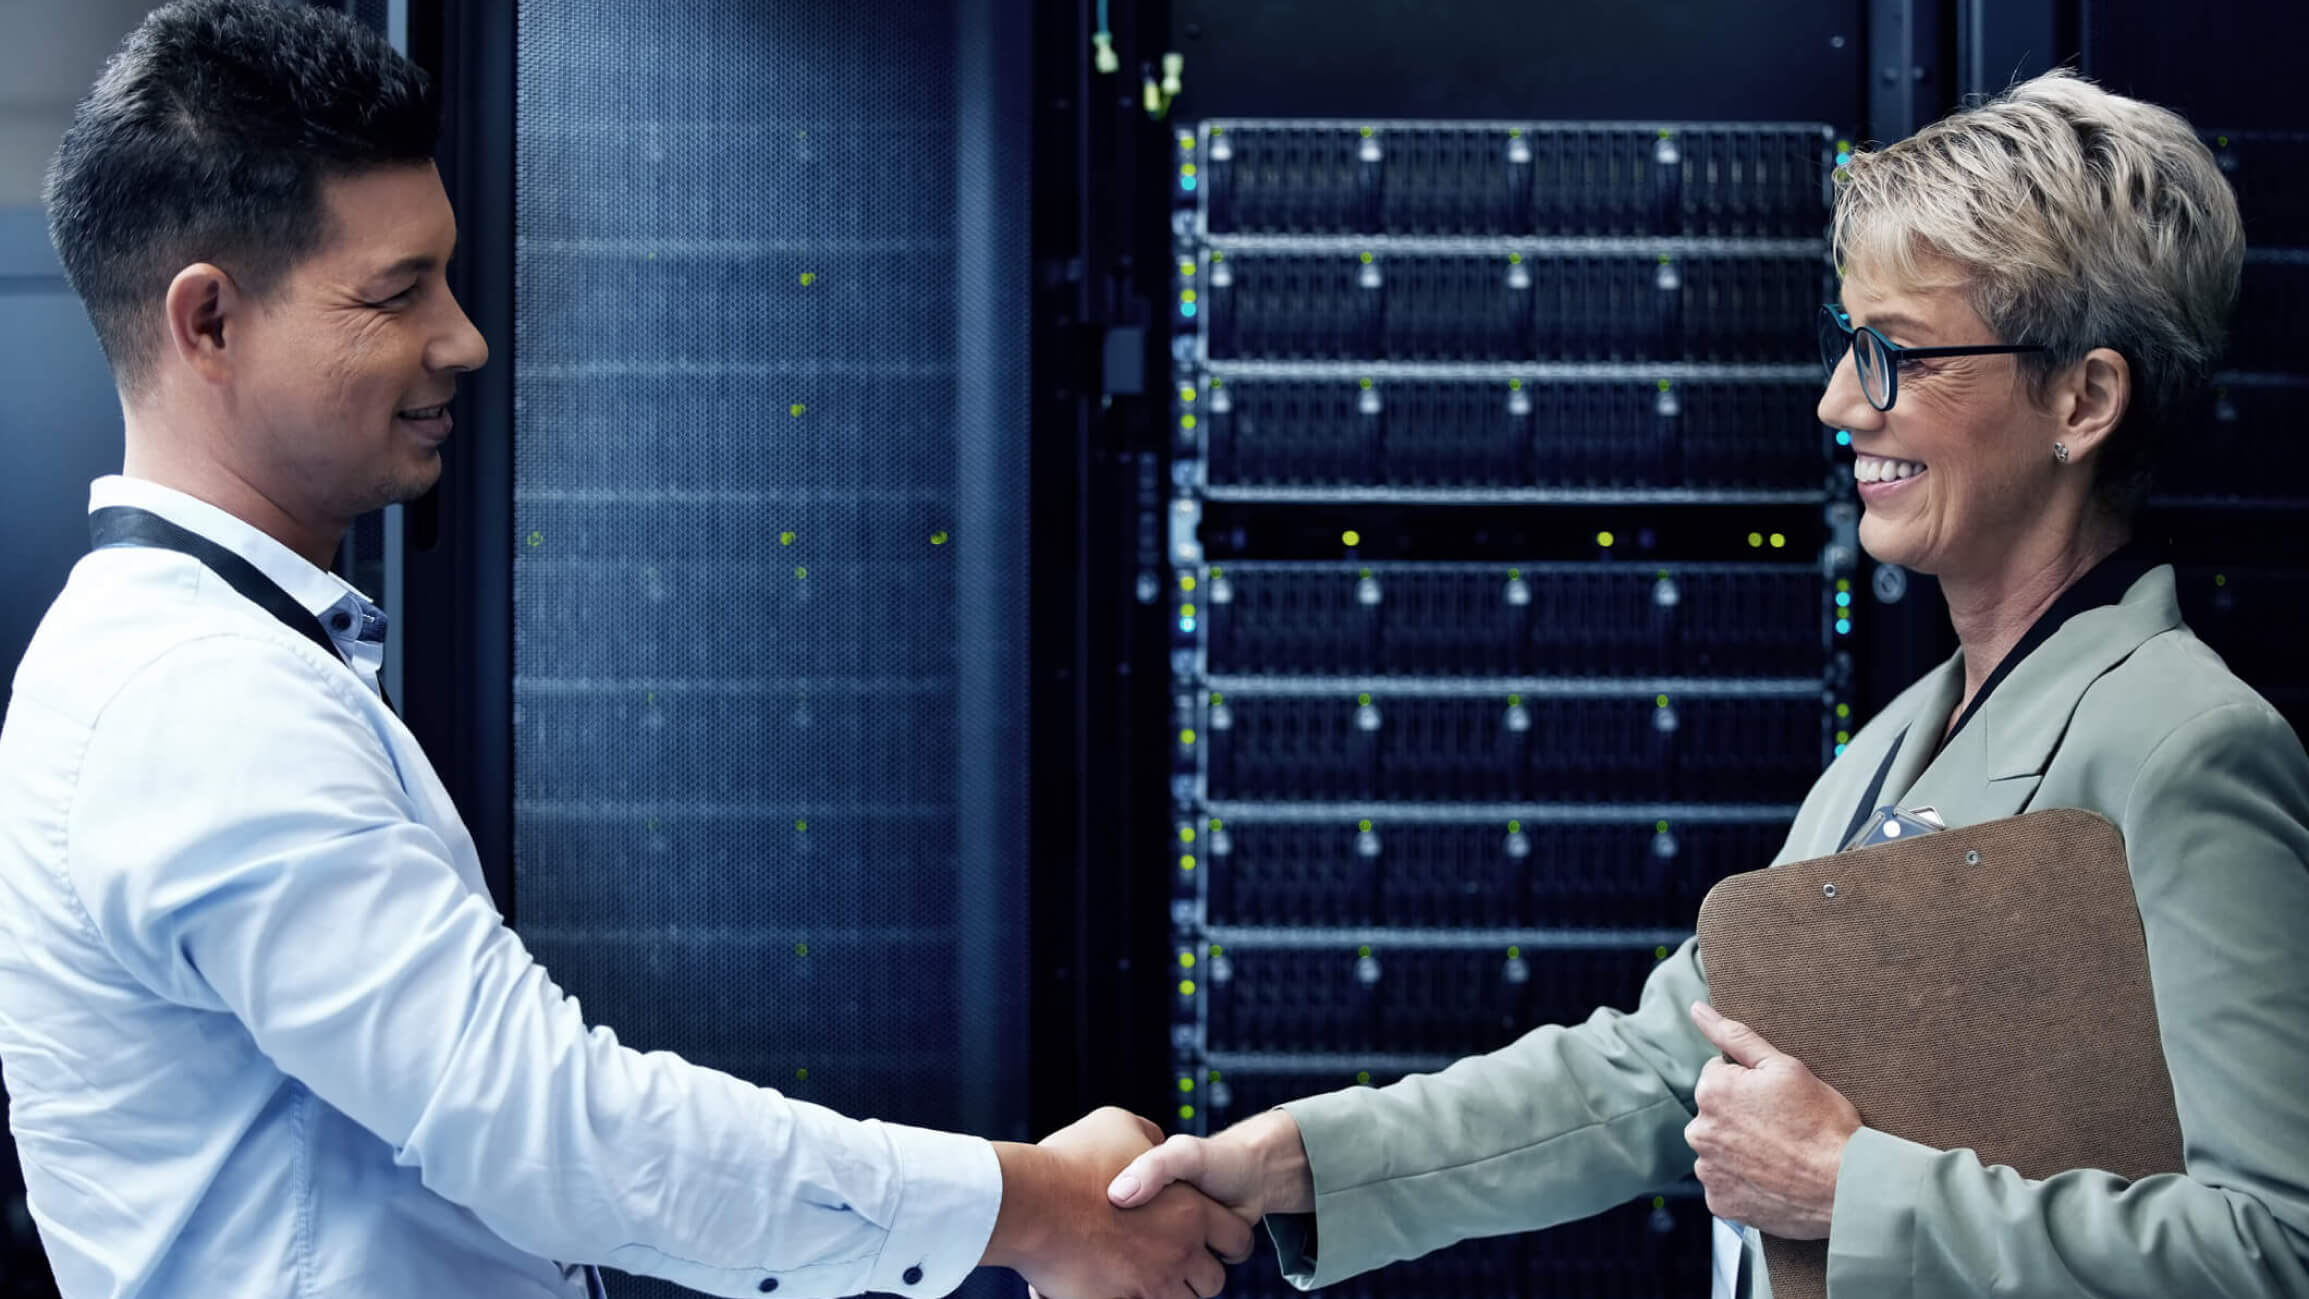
{"type": "Point", "coordinates": [1981, 988]}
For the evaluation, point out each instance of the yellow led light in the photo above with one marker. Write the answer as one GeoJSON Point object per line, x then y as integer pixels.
{"type": "Point", "coordinates": [1779, 540]}
{"type": "Point", "coordinates": [1217, 698]}
{"type": "Point", "coordinates": [1755, 538]}
{"type": "Point", "coordinates": [1363, 701]}
{"type": "Point", "coordinates": [1186, 393]}
{"type": "Point", "coordinates": [785, 538]}
{"type": "Point", "coordinates": [1187, 269]}
{"type": "Point", "coordinates": [1364, 826]}
{"type": "Point", "coordinates": [1186, 863]}
{"type": "Point", "coordinates": [937, 538]}
{"type": "Point", "coordinates": [1186, 611]}
{"type": "Point", "coordinates": [796, 410]}
{"type": "Point", "coordinates": [1187, 169]}
{"type": "Point", "coordinates": [1661, 700]}
{"type": "Point", "coordinates": [1186, 295]}
{"type": "Point", "coordinates": [1186, 421]}
{"type": "Point", "coordinates": [1843, 737]}
{"type": "Point", "coordinates": [1187, 736]}
{"type": "Point", "coordinates": [1515, 259]}
{"type": "Point", "coordinates": [1843, 710]}
{"type": "Point", "coordinates": [1366, 259]}
{"type": "Point", "coordinates": [809, 278]}
{"type": "Point", "coordinates": [1603, 539]}
{"type": "Point", "coordinates": [1216, 949]}
{"type": "Point", "coordinates": [1186, 960]}
{"type": "Point", "coordinates": [1186, 834]}
{"type": "Point", "coordinates": [1217, 824]}
{"type": "Point", "coordinates": [1186, 581]}
{"type": "Point", "coordinates": [1186, 1084]}
{"type": "Point", "coordinates": [1186, 1111]}
{"type": "Point", "coordinates": [1186, 987]}
{"type": "Point", "coordinates": [1351, 537]}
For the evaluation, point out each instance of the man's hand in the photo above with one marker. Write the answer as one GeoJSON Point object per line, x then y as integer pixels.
{"type": "Point", "coordinates": [1057, 1229]}
{"type": "Point", "coordinates": [1770, 1135]}
{"type": "Point", "coordinates": [1257, 1167]}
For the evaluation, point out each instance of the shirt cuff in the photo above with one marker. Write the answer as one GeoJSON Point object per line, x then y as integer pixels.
{"type": "Point", "coordinates": [1872, 1235]}
{"type": "Point", "coordinates": [949, 1193]}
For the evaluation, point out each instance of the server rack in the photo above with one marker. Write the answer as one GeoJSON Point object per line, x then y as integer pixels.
{"type": "Point", "coordinates": [1510, 607]}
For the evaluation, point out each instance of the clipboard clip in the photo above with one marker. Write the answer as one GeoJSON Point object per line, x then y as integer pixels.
{"type": "Point", "coordinates": [1889, 824]}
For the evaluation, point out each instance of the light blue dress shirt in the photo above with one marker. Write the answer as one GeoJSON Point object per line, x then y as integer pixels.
{"type": "Point", "coordinates": [265, 1033]}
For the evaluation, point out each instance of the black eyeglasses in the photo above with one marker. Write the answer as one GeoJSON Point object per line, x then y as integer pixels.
{"type": "Point", "coordinates": [1876, 359]}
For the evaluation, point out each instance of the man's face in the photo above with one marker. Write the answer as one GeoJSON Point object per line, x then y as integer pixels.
{"type": "Point", "coordinates": [346, 370]}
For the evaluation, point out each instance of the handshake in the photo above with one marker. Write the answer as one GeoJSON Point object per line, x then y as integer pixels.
{"type": "Point", "coordinates": [1097, 1210]}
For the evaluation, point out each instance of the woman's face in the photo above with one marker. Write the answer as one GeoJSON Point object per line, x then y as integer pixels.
{"type": "Point", "coordinates": [1956, 477]}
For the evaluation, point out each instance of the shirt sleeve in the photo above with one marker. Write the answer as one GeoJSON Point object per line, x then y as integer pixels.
{"type": "Point", "coordinates": [2217, 834]}
{"type": "Point", "coordinates": [242, 845]}
{"type": "Point", "coordinates": [1562, 1124]}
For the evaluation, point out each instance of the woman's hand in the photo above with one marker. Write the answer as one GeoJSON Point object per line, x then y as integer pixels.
{"type": "Point", "coordinates": [1257, 1167]}
{"type": "Point", "coordinates": [1770, 1135]}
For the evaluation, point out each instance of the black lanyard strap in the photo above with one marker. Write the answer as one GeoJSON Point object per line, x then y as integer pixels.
{"type": "Point", "coordinates": [1875, 786]}
{"type": "Point", "coordinates": [125, 525]}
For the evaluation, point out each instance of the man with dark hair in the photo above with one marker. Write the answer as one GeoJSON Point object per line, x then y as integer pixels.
{"type": "Point", "coordinates": [264, 1030]}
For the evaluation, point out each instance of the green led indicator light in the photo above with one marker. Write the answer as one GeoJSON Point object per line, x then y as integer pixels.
{"type": "Point", "coordinates": [1363, 951]}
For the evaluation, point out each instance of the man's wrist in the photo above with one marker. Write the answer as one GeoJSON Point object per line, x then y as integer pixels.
{"type": "Point", "coordinates": [1022, 1227]}
{"type": "Point", "coordinates": [1286, 1182]}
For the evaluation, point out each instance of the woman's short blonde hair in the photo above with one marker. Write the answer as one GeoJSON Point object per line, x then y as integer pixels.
{"type": "Point", "coordinates": [2077, 219]}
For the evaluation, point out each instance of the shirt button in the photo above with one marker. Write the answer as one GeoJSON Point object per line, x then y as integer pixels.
{"type": "Point", "coordinates": [768, 1284]}
{"type": "Point", "coordinates": [913, 1276]}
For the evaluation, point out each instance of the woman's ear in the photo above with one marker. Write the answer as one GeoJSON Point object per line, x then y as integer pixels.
{"type": "Point", "coordinates": [2091, 401]}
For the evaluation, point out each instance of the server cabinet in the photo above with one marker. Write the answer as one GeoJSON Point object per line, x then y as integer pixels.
{"type": "Point", "coordinates": [720, 617]}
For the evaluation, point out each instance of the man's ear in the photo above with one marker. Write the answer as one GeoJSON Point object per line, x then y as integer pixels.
{"type": "Point", "coordinates": [204, 311]}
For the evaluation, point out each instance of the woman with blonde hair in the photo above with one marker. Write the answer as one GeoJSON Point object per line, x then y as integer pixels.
{"type": "Point", "coordinates": [2032, 289]}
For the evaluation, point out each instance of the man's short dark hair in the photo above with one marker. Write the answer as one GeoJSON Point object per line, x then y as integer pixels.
{"type": "Point", "coordinates": [207, 139]}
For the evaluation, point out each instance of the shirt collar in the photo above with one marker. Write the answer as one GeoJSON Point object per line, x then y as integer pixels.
{"type": "Point", "coordinates": [316, 589]}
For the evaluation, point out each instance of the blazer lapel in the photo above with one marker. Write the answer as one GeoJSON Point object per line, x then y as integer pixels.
{"type": "Point", "coordinates": [1994, 765]}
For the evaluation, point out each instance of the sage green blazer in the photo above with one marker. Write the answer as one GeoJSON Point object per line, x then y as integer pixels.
{"type": "Point", "coordinates": [2122, 711]}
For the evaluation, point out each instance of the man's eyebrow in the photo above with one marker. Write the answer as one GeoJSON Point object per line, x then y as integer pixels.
{"type": "Point", "coordinates": [414, 264]}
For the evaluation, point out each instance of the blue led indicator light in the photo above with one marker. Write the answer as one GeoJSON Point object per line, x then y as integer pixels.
{"type": "Point", "coordinates": [1843, 599]}
{"type": "Point", "coordinates": [1186, 624]}
{"type": "Point", "coordinates": [1843, 626]}
{"type": "Point", "coordinates": [1843, 438]}
{"type": "Point", "coordinates": [1187, 183]}
{"type": "Point", "coordinates": [1187, 309]}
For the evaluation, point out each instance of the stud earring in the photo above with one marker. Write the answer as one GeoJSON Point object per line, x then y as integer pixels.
{"type": "Point", "coordinates": [2060, 452]}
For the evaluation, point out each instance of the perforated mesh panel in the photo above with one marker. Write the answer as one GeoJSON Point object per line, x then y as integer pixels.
{"type": "Point", "coordinates": [769, 497]}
